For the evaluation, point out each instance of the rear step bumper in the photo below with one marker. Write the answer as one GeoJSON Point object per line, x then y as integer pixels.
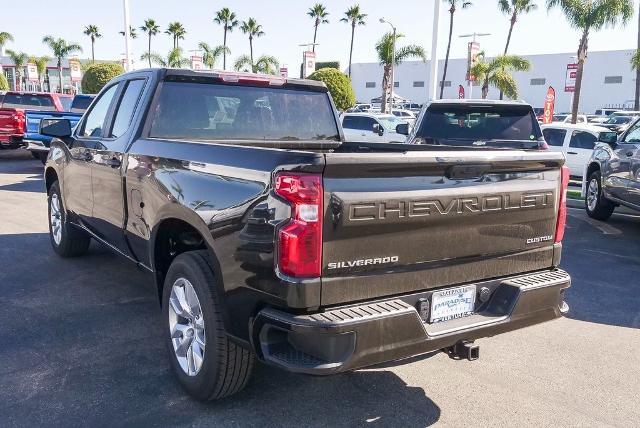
{"type": "Point", "coordinates": [353, 337]}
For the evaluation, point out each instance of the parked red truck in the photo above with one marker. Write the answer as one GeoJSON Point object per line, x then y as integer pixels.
{"type": "Point", "coordinates": [12, 116]}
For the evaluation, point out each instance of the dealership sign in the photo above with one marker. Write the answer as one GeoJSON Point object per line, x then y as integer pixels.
{"type": "Point", "coordinates": [472, 58]}
{"type": "Point", "coordinates": [309, 65]}
{"type": "Point", "coordinates": [570, 80]}
{"type": "Point", "coordinates": [32, 72]}
{"type": "Point", "coordinates": [196, 62]}
{"type": "Point", "coordinates": [460, 92]}
{"type": "Point", "coordinates": [549, 105]}
{"type": "Point", "coordinates": [284, 72]}
{"type": "Point", "coordinates": [75, 70]}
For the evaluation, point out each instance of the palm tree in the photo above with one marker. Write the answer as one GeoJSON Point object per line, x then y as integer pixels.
{"type": "Point", "coordinates": [384, 48]}
{"type": "Point", "coordinates": [253, 29]}
{"type": "Point", "coordinates": [41, 65]}
{"type": "Point", "coordinates": [19, 59]}
{"type": "Point", "coordinates": [319, 13]}
{"type": "Point", "coordinates": [132, 33]}
{"type": "Point", "coordinates": [212, 54]}
{"type": "Point", "coordinates": [453, 6]}
{"type": "Point", "coordinates": [173, 60]}
{"type": "Point", "coordinates": [355, 17]}
{"type": "Point", "coordinates": [151, 29]}
{"type": "Point", "coordinates": [61, 49]}
{"type": "Point", "coordinates": [514, 8]}
{"type": "Point", "coordinates": [4, 38]}
{"type": "Point", "coordinates": [228, 20]}
{"type": "Point", "coordinates": [265, 64]}
{"type": "Point", "coordinates": [93, 33]}
{"type": "Point", "coordinates": [590, 16]}
{"type": "Point", "coordinates": [636, 63]}
{"type": "Point", "coordinates": [177, 31]}
{"type": "Point", "coordinates": [497, 72]}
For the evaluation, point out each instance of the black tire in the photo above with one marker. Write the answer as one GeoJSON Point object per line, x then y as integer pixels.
{"type": "Point", "coordinates": [226, 367]}
{"type": "Point", "coordinates": [597, 206]}
{"type": "Point", "coordinates": [73, 242]}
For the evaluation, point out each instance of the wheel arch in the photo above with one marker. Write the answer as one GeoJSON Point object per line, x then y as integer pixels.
{"type": "Point", "coordinates": [50, 177]}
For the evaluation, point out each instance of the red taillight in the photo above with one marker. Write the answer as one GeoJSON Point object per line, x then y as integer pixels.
{"type": "Point", "coordinates": [562, 210]}
{"type": "Point", "coordinates": [18, 121]}
{"type": "Point", "coordinates": [300, 240]}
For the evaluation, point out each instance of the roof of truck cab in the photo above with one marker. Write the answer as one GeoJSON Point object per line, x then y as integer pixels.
{"type": "Point", "coordinates": [456, 101]}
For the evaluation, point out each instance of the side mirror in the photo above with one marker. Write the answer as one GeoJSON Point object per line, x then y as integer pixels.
{"type": "Point", "coordinates": [610, 138]}
{"type": "Point", "coordinates": [378, 129]}
{"type": "Point", "coordinates": [403, 129]}
{"type": "Point", "coordinates": [58, 128]}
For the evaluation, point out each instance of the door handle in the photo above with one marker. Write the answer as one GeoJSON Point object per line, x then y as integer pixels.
{"type": "Point", "coordinates": [113, 162]}
{"type": "Point", "coordinates": [629, 153]}
{"type": "Point", "coordinates": [572, 153]}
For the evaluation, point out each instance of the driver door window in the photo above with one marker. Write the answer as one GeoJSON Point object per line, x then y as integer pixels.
{"type": "Point", "coordinates": [633, 136]}
{"type": "Point", "coordinates": [94, 123]}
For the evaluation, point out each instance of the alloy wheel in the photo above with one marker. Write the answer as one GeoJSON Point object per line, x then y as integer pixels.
{"type": "Point", "coordinates": [592, 194]}
{"type": "Point", "coordinates": [55, 218]}
{"type": "Point", "coordinates": [186, 326]}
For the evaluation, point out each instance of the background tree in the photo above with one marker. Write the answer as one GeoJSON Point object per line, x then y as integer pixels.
{"type": "Point", "coordinates": [384, 49]}
{"type": "Point", "coordinates": [99, 74]}
{"type": "Point", "coordinates": [4, 83]}
{"type": "Point", "coordinates": [514, 8]}
{"type": "Point", "coordinates": [151, 29]}
{"type": "Point", "coordinates": [20, 60]}
{"type": "Point", "coordinates": [636, 104]}
{"type": "Point", "coordinates": [93, 33]}
{"type": "Point", "coordinates": [497, 72]}
{"type": "Point", "coordinates": [253, 29]}
{"type": "Point", "coordinates": [61, 49]}
{"type": "Point", "coordinates": [41, 65]}
{"type": "Point", "coordinates": [177, 31]}
{"type": "Point", "coordinates": [590, 16]}
{"type": "Point", "coordinates": [265, 64]}
{"type": "Point", "coordinates": [228, 20]}
{"type": "Point", "coordinates": [339, 87]}
{"type": "Point", "coordinates": [4, 38]}
{"type": "Point", "coordinates": [453, 6]}
{"type": "Point", "coordinates": [174, 59]}
{"type": "Point", "coordinates": [319, 13]}
{"type": "Point", "coordinates": [211, 55]}
{"type": "Point", "coordinates": [355, 17]}
{"type": "Point", "coordinates": [132, 33]}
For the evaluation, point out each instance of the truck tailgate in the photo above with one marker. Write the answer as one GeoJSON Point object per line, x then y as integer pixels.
{"type": "Point", "coordinates": [402, 222]}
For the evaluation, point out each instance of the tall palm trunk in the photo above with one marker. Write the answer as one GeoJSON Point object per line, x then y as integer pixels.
{"type": "Point", "coordinates": [251, 53]}
{"type": "Point", "coordinates": [485, 89]}
{"type": "Point", "coordinates": [353, 32]}
{"type": "Point", "coordinates": [514, 17]}
{"type": "Point", "coordinates": [149, 51]}
{"type": "Point", "coordinates": [224, 52]}
{"type": "Point", "coordinates": [582, 56]}
{"type": "Point", "coordinates": [386, 76]}
{"type": "Point", "coordinates": [315, 33]}
{"type": "Point", "coordinates": [446, 58]}
{"type": "Point", "coordinates": [60, 89]}
{"type": "Point", "coordinates": [636, 104]}
{"type": "Point", "coordinates": [93, 51]}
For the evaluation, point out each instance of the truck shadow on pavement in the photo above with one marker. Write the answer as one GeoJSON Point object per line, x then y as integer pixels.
{"type": "Point", "coordinates": [83, 345]}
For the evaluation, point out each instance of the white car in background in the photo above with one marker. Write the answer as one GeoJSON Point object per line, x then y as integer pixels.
{"type": "Point", "coordinates": [374, 128]}
{"type": "Point", "coordinates": [406, 115]}
{"type": "Point", "coordinates": [575, 141]}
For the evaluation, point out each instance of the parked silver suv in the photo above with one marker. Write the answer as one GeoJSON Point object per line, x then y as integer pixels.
{"type": "Point", "coordinates": [612, 175]}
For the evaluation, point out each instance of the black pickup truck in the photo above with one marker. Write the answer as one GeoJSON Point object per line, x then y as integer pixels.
{"type": "Point", "coordinates": [269, 238]}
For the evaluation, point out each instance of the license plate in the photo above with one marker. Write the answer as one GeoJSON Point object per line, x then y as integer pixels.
{"type": "Point", "coordinates": [453, 303]}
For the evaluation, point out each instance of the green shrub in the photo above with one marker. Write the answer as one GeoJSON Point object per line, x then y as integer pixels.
{"type": "Point", "coordinates": [98, 75]}
{"type": "Point", "coordinates": [328, 64]}
{"type": "Point", "coordinates": [339, 87]}
{"type": "Point", "coordinates": [4, 84]}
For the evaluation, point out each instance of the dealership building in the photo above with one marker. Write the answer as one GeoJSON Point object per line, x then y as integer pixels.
{"type": "Point", "coordinates": [608, 80]}
{"type": "Point", "coordinates": [49, 82]}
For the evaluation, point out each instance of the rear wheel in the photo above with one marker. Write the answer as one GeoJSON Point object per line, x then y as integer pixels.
{"type": "Point", "coordinates": [208, 365]}
{"type": "Point", "coordinates": [65, 239]}
{"type": "Point", "coordinates": [597, 206]}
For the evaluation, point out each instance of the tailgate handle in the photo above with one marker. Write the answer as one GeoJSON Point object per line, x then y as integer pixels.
{"type": "Point", "coordinates": [460, 172]}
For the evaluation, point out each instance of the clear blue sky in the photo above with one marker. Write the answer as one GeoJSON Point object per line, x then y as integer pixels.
{"type": "Point", "coordinates": [286, 25]}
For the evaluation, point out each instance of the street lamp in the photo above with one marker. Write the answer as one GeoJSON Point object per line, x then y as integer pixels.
{"type": "Point", "coordinates": [127, 36]}
{"type": "Point", "coordinates": [433, 72]}
{"type": "Point", "coordinates": [393, 58]}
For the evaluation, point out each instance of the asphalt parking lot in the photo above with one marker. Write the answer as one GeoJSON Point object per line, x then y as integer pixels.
{"type": "Point", "coordinates": [81, 346]}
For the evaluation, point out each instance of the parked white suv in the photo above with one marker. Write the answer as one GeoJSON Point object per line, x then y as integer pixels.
{"type": "Point", "coordinates": [372, 128]}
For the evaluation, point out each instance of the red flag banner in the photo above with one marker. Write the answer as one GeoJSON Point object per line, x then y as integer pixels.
{"type": "Point", "coordinates": [549, 105]}
{"type": "Point", "coordinates": [461, 92]}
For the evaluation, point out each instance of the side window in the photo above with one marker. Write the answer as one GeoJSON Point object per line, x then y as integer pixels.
{"type": "Point", "coordinates": [350, 122]}
{"type": "Point", "coordinates": [554, 137]}
{"type": "Point", "coordinates": [65, 102]}
{"type": "Point", "coordinates": [96, 117]}
{"type": "Point", "coordinates": [367, 123]}
{"type": "Point", "coordinates": [583, 140]}
{"type": "Point", "coordinates": [633, 136]}
{"type": "Point", "coordinates": [127, 107]}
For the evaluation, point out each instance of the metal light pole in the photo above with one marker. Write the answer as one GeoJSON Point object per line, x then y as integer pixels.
{"type": "Point", "coordinates": [127, 36]}
{"type": "Point", "coordinates": [473, 35]}
{"type": "Point", "coordinates": [393, 59]}
{"type": "Point", "coordinates": [433, 72]}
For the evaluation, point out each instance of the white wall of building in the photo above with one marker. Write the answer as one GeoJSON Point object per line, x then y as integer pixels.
{"type": "Point", "coordinates": [552, 67]}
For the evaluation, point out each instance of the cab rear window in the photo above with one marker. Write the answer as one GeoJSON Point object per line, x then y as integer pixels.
{"type": "Point", "coordinates": [29, 101]}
